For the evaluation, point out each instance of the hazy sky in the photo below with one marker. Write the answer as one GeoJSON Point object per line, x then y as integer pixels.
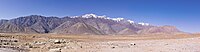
{"type": "Point", "coordinates": [184, 14]}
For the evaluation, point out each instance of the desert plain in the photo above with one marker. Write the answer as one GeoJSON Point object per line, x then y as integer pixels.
{"type": "Point", "coordinates": [99, 43]}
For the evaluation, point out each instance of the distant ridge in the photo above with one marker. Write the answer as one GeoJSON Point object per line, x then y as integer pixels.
{"type": "Point", "coordinates": [84, 24]}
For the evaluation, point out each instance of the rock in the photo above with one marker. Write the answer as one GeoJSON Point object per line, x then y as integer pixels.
{"type": "Point", "coordinates": [55, 50]}
{"type": "Point", "coordinates": [59, 41]}
{"type": "Point", "coordinates": [40, 43]}
{"type": "Point", "coordinates": [113, 47]}
{"type": "Point", "coordinates": [132, 44]}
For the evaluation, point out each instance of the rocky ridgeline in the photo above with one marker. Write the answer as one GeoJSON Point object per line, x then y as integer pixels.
{"type": "Point", "coordinates": [86, 24]}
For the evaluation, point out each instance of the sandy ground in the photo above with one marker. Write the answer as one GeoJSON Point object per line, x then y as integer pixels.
{"type": "Point", "coordinates": [7, 50]}
{"type": "Point", "coordinates": [100, 43]}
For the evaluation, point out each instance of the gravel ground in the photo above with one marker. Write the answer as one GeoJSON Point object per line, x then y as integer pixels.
{"type": "Point", "coordinates": [87, 43]}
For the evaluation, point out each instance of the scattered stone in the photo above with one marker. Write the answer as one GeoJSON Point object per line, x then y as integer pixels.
{"type": "Point", "coordinates": [30, 46]}
{"type": "Point", "coordinates": [39, 43]}
{"type": "Point", "coordinates": [132, 44]}
{"type": "Point", "coordinates": [55, 50]}
{"type": "Point", "coordinates": [113, 47]}
{"type": "Point", "coordinates": [15, 41]}
{"type": "Point", "coordinates": [33, 36]}
{"type": "Point", "coordinates": [59, 41]}
{"type": "Point", "coordinates": [81, 46]}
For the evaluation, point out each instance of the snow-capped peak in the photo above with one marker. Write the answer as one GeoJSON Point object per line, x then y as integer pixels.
{"type": "Point", "coordinates": [108, 18]}
{"type": "Point", "coordinates": [74, 17]}
{"type": "Point", "coordinates": [92, 16]}
{"type": "Point", "coordinates": [130, 21]}
{"type": "Point", "coordinates": [89, 16]}
{"type": "Point", "coordinates": [104, 16]}
{"type": "Point", "coordinates": [117, 19]}
{"type": "Point", "coordinates": [144, 24]}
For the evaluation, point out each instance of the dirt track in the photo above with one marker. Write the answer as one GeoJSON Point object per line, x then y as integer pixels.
{"type": "Point", "coordinates": [99, 43]}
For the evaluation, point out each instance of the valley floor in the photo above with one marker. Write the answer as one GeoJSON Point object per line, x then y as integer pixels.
{"type": "Point", "coordinates": [99, 43]}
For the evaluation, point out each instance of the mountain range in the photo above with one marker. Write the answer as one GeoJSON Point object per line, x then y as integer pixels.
{"type": "Point", "coordinates": [84, 24]}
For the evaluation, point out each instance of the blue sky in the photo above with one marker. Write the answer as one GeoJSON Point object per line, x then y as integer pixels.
{"type": "Point", "coordinates": [184, 14]}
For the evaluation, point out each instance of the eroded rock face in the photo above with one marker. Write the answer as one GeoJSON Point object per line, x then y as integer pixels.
{"type": "Point", "coordinates": [161, 29]}
{"type": "Point", "coordinates": [86, 24]}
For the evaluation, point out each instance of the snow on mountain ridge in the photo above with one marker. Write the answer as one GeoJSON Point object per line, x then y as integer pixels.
{"type": "Point", "coordinates": [89, 16]}
{"type": "Point", "coordinates": [105, 17]}
{"type": "Point", "coordinates": [144, 24]}
{"type": "Point", "coordinates": [117, 19]}
{"type": "Point", "coordinates": [130, 21]}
